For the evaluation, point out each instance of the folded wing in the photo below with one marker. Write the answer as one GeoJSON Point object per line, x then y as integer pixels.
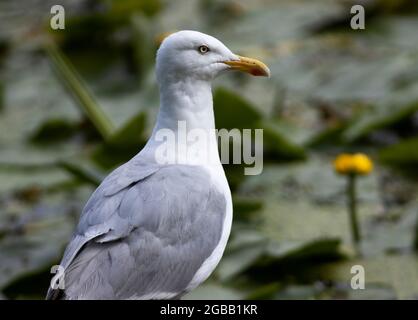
{"type": "Point", "coordinates": [143, 236]}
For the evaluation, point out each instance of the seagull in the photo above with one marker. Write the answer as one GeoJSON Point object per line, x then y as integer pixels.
{"type": "Point", "coordinates": [156, 229]}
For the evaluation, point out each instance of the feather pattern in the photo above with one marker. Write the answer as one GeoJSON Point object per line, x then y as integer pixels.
{"type": "Point", "coordinates": [148, 239]}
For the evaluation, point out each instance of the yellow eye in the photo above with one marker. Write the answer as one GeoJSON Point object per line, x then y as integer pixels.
{"type": "Point", "coordinates": [203, 49]}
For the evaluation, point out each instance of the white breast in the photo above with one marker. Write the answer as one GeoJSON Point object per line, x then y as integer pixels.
{"type": "Point", "coordinates": [218, 178]}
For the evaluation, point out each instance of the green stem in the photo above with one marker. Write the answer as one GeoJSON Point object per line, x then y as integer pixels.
{"type": "Point", "coordinates": [352, 208]}
{"type": "Point", "coordinates": [79, 90]}
{"type": "Point", "coordinates": [416, 237]}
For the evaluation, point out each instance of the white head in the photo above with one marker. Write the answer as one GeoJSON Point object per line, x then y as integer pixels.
{"type": "Point", "coordinates": [192, 54]}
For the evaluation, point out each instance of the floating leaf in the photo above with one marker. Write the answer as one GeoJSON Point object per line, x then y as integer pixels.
{"type": "Point", "coordinates": [387, 112]}
{"type": "Point", "coordinates": [232, 111]}
{"type": "Point", "coordinates": [277, 252]}
{"type": "Point", "coordinates": [396, 271]}
{"type": "Point", "coordinates": [403, 154]}
{"type": "Point", "coordinates": [54, 130]}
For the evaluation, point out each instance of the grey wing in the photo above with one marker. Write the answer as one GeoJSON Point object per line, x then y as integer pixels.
{"type": "Point", "coordinates": [100, 214]}
{"type": "Point", "coordinates": [157, 233]}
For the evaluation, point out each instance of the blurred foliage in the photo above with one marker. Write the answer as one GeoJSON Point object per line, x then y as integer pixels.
{"type": "Point", "coordinates": [53, 131]}
{"type": "Point", "coordinates": [80, 91]}
{"type": "Point", "coordinates": [123, 144]}
{"type": "Point", "coordinates": [402, 155]}
{"type": "Point", "coordinates": [76, 103]}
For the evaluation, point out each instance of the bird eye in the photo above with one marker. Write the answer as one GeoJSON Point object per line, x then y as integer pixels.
{"type": "Point", "coordinates": [203, 49]}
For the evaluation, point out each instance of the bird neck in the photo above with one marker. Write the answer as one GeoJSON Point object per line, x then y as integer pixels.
{"type": "Point", "coordinates": [188, 100]}
{"type": "Point", "coordinates": [186, 118]}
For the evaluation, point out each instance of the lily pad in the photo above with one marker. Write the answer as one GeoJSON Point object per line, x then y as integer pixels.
{"type": "Point", "coordinates": [396, 271]}
{"type": "Point", "coordinates": [403, 155]}
{"type": "Point", "coordinates": [54, 130]}
{"type": "Point", "coordinates": [231, 111]}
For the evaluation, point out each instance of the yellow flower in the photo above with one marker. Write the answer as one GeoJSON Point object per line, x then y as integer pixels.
{"type": "Point", "coordinates": [358, 163]}
{"type": "Point", "coordinates": [343, 163]}
{"type": "Point", "coordinates": [362, 163]}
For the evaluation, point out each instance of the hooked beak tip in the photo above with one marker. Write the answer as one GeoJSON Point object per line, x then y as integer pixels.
{"type": "Point", "coordinates": [249, 65]}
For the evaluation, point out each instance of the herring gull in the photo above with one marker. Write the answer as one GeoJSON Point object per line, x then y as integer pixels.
{"type": "Point", "coordinates": [155, 229]}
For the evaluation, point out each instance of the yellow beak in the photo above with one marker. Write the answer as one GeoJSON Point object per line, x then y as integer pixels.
{"type": "Point", "coordinates": [249, 65]}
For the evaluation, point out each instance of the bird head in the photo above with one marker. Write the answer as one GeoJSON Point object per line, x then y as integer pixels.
{"type": "Point", "coordinates": [192, 54]}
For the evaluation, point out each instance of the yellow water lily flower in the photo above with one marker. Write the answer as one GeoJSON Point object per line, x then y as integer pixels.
{"type": "Point", "coordinates": [343, 163]}
{"type": "Point", "coordinates": [362, 164]}
{"type": "Point", "coordinates": [357, 163]}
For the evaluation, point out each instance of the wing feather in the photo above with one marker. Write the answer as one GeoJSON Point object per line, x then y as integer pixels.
{"type": "Point", "coordinates": [148, 239]}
